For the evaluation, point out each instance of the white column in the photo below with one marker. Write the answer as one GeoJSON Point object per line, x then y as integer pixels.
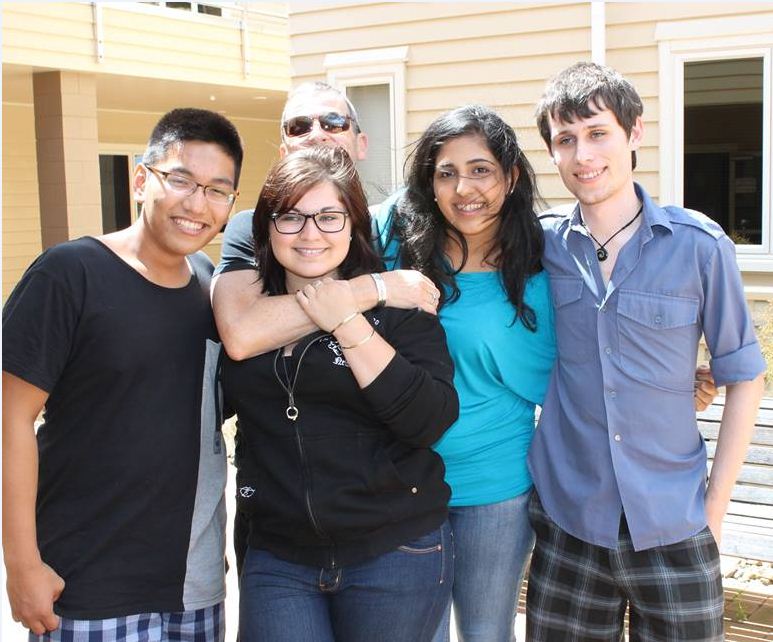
{"type": "Point", "coordinates": [598, 31]}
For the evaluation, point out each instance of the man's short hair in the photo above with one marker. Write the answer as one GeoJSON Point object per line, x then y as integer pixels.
{"type": "Point", "coordinates": [583, 90]}
{"type": "Point", "coordinates": [312, 88]}
{"type": "Point", "coordinates": [192, 124]}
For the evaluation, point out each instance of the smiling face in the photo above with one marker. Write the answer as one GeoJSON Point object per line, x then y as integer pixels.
{"type": "Point", "coordinates": [470, 187]}
{"type": "Point", "coordinates": [176, 224]}
{"type": "Point", "coordinates": [593, 157]}
{"type": "Point", "coordinates": [310, 254]}
{"type": "Point", "coordinates": [316, 104]}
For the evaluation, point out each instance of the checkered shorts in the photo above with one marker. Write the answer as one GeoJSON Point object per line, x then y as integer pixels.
{"type": "Point", "coordinates": [202, 625]}
{"type": "Point", "coordinates": [578, 592]}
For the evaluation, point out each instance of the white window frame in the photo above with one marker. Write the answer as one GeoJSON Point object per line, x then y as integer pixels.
{"type": "Point", "coordinates": [724, 38]}
{"type": "Point", "coordinates": [132, 151]}
{"type": "Point", "coordinates": [376, 67]}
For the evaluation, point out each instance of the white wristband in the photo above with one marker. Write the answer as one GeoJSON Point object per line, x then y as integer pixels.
{"type": "Point", "coordinates": [380, 288]}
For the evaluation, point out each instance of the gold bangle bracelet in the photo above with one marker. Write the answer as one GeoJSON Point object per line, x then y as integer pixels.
{"type": "Point", "coordinates": [359, 343]}
{"type": "Point", "coordinates": [346, 320]}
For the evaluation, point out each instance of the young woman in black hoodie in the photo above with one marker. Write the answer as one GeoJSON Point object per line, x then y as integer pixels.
{"type": "Point", "coordinates": [346, 502]}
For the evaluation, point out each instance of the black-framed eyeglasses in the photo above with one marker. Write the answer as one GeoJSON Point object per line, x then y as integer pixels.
{"type": "Point", "coordinates": [332, 122]}
{"type": "Point", "coordinates": [187, 186]}
{"type": "Point", "coordinates": [292, 222]}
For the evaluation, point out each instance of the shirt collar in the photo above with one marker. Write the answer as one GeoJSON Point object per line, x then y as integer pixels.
{"type": "Point", "coordinates": [652, 214]}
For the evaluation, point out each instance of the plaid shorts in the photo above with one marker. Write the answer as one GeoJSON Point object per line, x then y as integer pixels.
{"type": "Point", "coordinates": [579, 591]}
{"type": "Point", "coordinates": [201, 625]}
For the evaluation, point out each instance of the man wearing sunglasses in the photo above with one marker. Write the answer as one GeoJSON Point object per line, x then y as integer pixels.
{"type": "Point", "coordinates": [251, 323]}
{"type": "Point", "coordinates": [114, 512]}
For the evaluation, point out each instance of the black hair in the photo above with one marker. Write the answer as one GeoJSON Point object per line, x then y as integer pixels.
{"type": "Point", "coordinates": [191, 124]}
{"type": "Point", "coordinates": [583, 90]}
{"type": "Point", "coordinates": [286, 183]}
{"type": "Point", "coordinates": [423, 232]}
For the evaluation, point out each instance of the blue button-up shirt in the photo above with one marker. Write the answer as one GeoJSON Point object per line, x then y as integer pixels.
{"type": "Point", "coordinates": [618, 430]}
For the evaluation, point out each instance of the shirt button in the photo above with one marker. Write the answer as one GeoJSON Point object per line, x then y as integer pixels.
{"type": "Point", "coordinates": [607, 350]}
{"type": "Point", "coordinates": [618, 438]}
{"type": "Point", "coordinates": [603, 308]}
{"type": "Point", "coordinates": [414, 490]}
{"type": "Point", "coordinates": [658, 319]}
{"type": "Point", "coordinates": [612, 394]}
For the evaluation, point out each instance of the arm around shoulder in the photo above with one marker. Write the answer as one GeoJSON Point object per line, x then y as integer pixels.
{"type": "Point", "coordinates": [249, 321]}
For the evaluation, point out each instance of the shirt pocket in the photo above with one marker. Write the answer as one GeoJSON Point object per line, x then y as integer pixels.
{"type": "Point", "coordinates": [575, 323]}
{"type": "Point", "coordinates": [658, 338]}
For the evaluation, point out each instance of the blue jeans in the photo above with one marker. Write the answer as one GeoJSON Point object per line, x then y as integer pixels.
{"type": "Point", "coordinates": [491, 545]}
{"type": "Point", "coordinates": [400, 595]}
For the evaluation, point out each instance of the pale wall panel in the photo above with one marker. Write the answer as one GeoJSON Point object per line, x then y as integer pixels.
{"type": "Point", "coordinates": [444, 30]}
{"type": "Point", "coordinates": [145, 42]}
{"type": "Point", "coordinates": [622, 12]}
{"type": "Point", "coordinates": [521, 69]}
{"type": "Point", "coordinates": [502, 48]}
{"type": "Point", "coordinates": [311, 18]}
{"type": "Point", "coordinates": [21, 209]}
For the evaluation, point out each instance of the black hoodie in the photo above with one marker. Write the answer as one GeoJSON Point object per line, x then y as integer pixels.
{"type": "Point", "coordinates": [353, 476]}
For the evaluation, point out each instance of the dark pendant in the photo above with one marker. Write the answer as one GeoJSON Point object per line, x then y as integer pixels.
{"type": "Point", "coordinates": [602, 254]}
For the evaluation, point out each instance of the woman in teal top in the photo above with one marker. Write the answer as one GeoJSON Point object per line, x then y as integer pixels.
{"type": "Point", "coordinates": [467, 220]}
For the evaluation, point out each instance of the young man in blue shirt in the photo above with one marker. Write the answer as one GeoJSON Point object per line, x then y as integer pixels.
{"type": "Point", "coordinates": [622, 511]}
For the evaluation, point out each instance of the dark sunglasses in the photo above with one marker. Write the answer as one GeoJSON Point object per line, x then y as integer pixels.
{"type": "Point", "coordinates": [331, 122]}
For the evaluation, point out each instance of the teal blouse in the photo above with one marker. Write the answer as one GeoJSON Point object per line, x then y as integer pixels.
{"type": "Point", "coordinates": [502, 373]}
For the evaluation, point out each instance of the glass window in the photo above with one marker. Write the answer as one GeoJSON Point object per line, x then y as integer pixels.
{"type": "Point", "coordinates": [723, 144]}
{"type": "Point", "coordinates": [373, 105]}
{"type": "Point", "coordinates": [114, 181]}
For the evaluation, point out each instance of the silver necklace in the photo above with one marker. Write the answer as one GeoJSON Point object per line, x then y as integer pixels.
{"type": "Point", "coordinates": [291, 412]}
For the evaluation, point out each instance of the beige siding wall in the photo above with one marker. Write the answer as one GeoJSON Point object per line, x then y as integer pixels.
{"type": "Point", "coordinates": [151, 57]}
{"type": "Point", "coordinates": [259, 137]}
{"type": "Point", "coordinates": [145, 41]}
{"type": "Point", "coordinates": [21, 211]}
{"type": "Point", "coordinates": [499, 54]}
{"type": "Point", "coordinates": [117, 131]}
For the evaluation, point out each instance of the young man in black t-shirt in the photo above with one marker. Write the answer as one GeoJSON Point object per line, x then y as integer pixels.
{"type": "Point", "coordinates": [113, 518]}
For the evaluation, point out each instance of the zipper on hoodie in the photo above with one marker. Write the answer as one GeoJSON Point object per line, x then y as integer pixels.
{"type": "Point", "coordinates": [306, 477]}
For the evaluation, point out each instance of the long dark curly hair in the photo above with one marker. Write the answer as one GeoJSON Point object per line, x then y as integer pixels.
{"type": "Point", "coordinates": [423, 233]}
{"type": "Point", "coordinates": [285, 185]}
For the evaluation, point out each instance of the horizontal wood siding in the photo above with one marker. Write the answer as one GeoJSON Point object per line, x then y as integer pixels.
{"type": "Point", "coordinates": [145, 41]}
{"type": "Point", "coordinates": [499, 54]}
{"type": "Point", "coordinates": [21, 209]}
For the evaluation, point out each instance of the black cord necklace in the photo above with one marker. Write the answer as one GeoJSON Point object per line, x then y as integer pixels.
{"type": "Point", "coordinates": [289, 387]}
{"type": "Point", "coordinates": [602, 253]}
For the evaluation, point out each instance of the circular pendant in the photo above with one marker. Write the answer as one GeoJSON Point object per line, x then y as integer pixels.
{"type": "Point", "coordinates": [292, 413]}
{"type": "Point", "coordinates": [602, 254]}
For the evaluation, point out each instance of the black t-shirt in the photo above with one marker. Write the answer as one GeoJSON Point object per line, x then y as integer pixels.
{"type": "Point", "coordinates": [124, 362]}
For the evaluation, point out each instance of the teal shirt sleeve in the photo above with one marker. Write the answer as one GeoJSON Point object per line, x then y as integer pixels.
{"type": "Point", "coordinates": [383, 219]}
